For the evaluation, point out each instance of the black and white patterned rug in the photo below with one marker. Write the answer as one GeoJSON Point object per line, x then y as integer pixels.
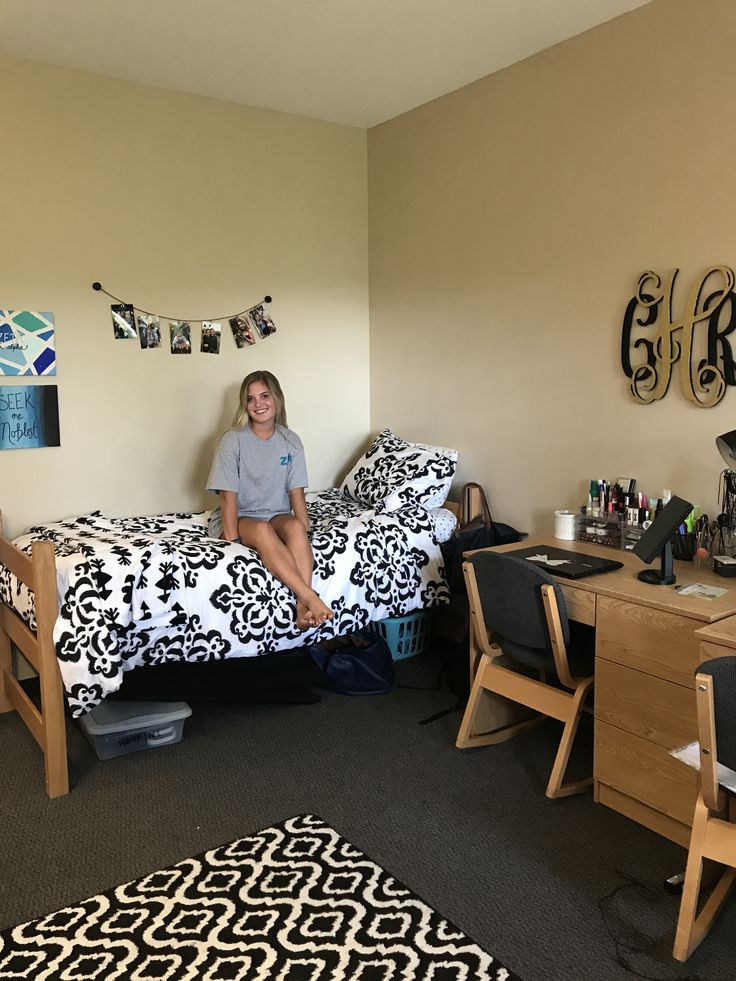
{"type": "Point", "coordinates": [295, 902]}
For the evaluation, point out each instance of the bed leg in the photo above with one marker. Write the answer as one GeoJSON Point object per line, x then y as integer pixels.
{"type": "Point", "coordinates": [54, 754]}
{"type": "Point", "coordinates": [5, 665]}
{"type": "Point", "coordinates": [52, 692]}
{"type": "Point", "coordinates": [5, 656]}
{"type": "Point", "coordinates": [54, 730]}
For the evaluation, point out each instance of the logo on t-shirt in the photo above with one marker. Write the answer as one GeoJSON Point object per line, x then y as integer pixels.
{"type": "Point", "coordinates": [286, 460]}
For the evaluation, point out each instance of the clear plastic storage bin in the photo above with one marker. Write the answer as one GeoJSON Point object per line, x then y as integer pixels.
{"type": "Point", "coordinates": [116, 728]}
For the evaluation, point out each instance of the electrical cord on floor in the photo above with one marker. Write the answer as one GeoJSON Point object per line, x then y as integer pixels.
{"type": "Point", "coordinates": [637, 943]}
{"type": "Point", "coordinates": [459, 705]}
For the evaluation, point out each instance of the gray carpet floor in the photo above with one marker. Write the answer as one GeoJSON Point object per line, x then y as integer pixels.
{"type": "Point", "coordinates": [470, 832]}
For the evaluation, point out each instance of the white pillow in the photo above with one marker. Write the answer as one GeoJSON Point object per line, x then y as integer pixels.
{"type": "Point", "coordinates": [394, 473]}
{"type": "Point", "coordinates": [445, 523]}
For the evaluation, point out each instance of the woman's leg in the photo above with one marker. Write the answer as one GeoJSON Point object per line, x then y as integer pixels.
{"type": "Point", "coordinates": [293, 534]}
{"type": "Point", "coordinates": [275, 555]}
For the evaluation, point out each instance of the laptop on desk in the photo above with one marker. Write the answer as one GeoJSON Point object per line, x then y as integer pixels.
{"type": "Point", "coordinates": [564, 563]}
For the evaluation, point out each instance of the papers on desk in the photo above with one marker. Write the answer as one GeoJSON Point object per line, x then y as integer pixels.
{"type": "Point", "coordinates": [690, 754]}
{"type": "Point", "coordinates": [701, 590]}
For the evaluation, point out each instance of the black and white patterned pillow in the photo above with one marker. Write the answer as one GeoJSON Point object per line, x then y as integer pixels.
{"type": "Point", "coordinates": [394, 473]}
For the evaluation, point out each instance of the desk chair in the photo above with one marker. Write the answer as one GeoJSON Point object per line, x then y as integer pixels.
{"type": "Point", "coordinates": [714, 831]}
{"type": "Point", "coordinates": [518, 618]}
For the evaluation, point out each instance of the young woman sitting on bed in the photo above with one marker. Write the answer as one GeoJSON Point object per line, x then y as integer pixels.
{"type": "Point", "coordinates": [260, 473]}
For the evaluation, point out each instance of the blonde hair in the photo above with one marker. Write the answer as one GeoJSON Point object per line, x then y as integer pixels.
{"type": "Point", "coordinates": [272, 384]}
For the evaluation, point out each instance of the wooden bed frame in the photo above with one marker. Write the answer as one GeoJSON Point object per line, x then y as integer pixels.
{"type": "Point", "coordinates": [47, 725]}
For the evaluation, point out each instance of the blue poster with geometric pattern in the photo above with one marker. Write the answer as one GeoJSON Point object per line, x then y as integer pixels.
{"type": "Point", "coordinates": [27, 343]}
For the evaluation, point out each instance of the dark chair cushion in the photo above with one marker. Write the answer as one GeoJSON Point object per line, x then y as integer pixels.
{"type": "Point", "coordinates": [510, 592]}
{"type": "Point", "coordinates": [580, 652]}
{"type": "Point", "coordinates": [723, 672]}
{"type": "Point", "coordinates": [511, 597]}
{"type": "Point", "coordinates": [532, 657]}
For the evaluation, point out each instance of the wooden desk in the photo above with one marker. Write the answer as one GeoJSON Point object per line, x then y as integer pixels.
{"type": "Point", "coordinates": [648, 644]}
{"type": "Point", "coordinates": [718, 639]}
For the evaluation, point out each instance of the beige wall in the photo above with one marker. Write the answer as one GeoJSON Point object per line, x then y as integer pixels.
{"type": "Point", "coordinates": [192, 208]}
{"type": "Point", "coordinates": [509, 223]}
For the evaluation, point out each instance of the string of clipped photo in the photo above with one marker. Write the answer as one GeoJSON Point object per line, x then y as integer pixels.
{"type": "Point", "coordinates": [130, 322]}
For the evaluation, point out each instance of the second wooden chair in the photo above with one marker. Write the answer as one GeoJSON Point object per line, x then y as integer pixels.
{"type": "Point", "coordinates": [714, 822]}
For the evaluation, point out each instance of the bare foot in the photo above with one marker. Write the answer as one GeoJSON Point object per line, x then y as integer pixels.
{"type": "Point", "coordinates": [319, 610]}
{"type": "Point", "coordinates": [304, 617]}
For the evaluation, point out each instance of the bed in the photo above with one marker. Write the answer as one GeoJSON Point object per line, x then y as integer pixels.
{"type": "Point", "coordinates": [88, 598]}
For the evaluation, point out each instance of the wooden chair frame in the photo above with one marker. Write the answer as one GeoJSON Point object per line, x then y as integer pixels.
{"type": "Point", "coordinates": [713, 834]}
{"type": "Point", "coordinates": [491, 676]}
{"type": "Point", "coordinates": [47, 725]}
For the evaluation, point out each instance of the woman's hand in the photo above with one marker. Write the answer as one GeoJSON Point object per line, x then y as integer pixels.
{"type": "Point", "coordinates": [229, 506]}
{"type": "Point", "coordinates": [299, 507]}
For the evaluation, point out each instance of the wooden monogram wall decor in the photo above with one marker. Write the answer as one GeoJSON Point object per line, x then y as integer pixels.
{"type": "Point", "coordinates": [654, 341]}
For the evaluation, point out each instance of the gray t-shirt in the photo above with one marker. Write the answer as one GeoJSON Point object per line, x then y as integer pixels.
{"type": "Point", "coordinates": [261, 471]}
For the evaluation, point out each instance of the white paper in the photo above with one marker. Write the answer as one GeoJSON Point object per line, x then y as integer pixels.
{"type": "Point", "coordinates": [701, 590]}
{"type": "Point", "coordinates": [690, 754]}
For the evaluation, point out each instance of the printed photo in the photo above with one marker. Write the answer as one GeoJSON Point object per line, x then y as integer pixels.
{"type": "Point", "coordinates": [263, 323]}
{"type": "Point", "coordinates": [242, 330]}
{"type": "Point", "coordinates": [210, 337]}
{"type": "Point", "coordinates": [149, 330]}
{"type": "Point", "coordinates": [181, 337]}
{"type": "Point", "coordinates": [123, 321]}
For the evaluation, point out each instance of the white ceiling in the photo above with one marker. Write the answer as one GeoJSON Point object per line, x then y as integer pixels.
{"type": "Point", "coordinates": [354, 62]}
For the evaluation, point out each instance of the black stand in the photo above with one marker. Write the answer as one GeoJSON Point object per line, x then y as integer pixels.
{"type": "Point", "coordinates": [665, 576]}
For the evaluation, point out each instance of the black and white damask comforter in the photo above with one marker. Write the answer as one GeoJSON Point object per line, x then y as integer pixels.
{"type": "Point", "coordinates": [139, 591]}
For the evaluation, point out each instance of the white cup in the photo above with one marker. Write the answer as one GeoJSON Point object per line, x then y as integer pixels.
{"type": "Point", "coordinates": [565, 525]}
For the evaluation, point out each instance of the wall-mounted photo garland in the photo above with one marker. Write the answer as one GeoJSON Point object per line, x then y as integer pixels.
{"type": "Point", "coordinates": [129, 322]}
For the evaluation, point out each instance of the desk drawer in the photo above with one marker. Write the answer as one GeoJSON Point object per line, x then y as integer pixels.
{"type": "Point", "coordinates": [645, 772]}
{"type": "Point", "coordinates": [648, 707]}
{"type": "Point", "coordinates": [660, 643]}
{"type": "Point", "coordinates": [580, 604]}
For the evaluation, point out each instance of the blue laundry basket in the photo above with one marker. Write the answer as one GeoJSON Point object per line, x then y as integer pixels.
{"type": "Point", "coordinates": [406, 636]}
